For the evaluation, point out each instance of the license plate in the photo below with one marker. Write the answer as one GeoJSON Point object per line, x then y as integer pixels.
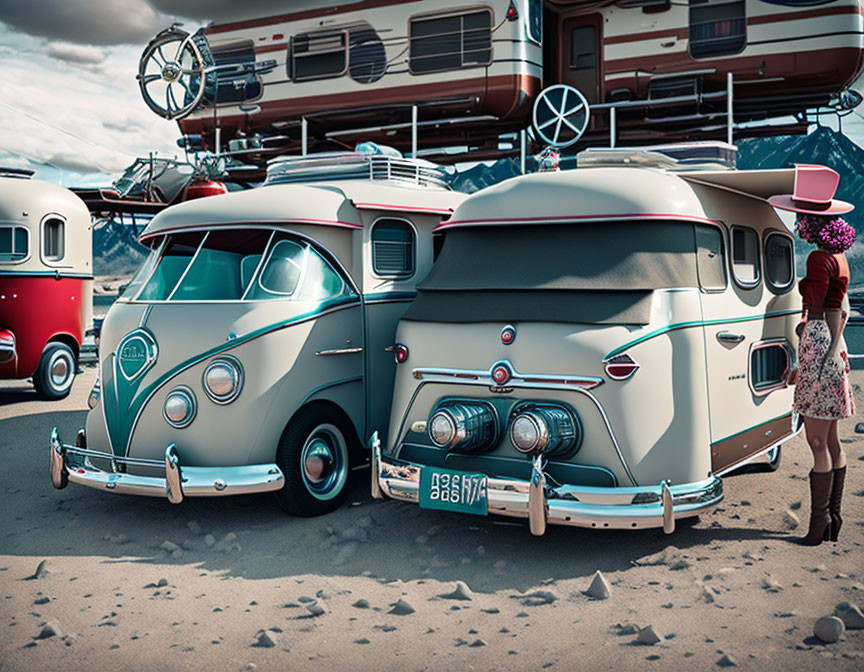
{"type": "Point", "coordinates": [453, 491]}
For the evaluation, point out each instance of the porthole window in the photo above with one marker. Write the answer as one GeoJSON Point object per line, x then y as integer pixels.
{"type": "Point", "coordinates": [745, 256]}
{"type": "Point", "coordinates": [14, 244]}
{"type": "Point", "coordinates": [393, 248]}
{"type": "Point", "coordinates": [53, 239]}
{"type": "Point", "coordinates": [779, 262]}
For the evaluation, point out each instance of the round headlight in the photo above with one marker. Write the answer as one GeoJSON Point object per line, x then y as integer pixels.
{"type": "Point", "coordinates": [525, 433]}
{"type": "Point", "coordinates": [223, 379]}
{"type": "Point", "coordinates": [442, 429]}
{"type": "Point", "coordinates": [179, 408]}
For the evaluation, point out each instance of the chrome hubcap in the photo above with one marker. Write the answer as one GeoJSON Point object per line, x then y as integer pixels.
{"type": "Point", "coordinates": [324, 462]}
{"type": "Point", "coordinates": [61, 370]}
{"type": "Point", "coordinates": [319, 461]}
{"type": "Point", "coordinates": [171, 71]}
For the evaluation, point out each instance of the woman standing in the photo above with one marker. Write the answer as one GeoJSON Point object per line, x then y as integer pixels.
{"type": "Point", "coordinates": [823, 394]}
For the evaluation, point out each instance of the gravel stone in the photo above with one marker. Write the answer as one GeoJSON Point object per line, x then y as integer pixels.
{"type": "Point", "coordinates": [461, 592]}
{"type": "Point", "coordinates": [790, 520]}
{"type": "Point", "coordinates": [402, 608]}
{"type": "Point", "coordinates": [264, 640]}
{"type": "Point", "coordinates": [726, 661]}
{"type": "Point", "coordinates": [599, 588]}
{"type": "Point", "coordinates": [50, 629]}
{"type": "Point", "coordinates": [851, 615]}
{"type": "Point", "coordinates": [647, 636]}
{"type": "Point", "coordinates": [829, 629]}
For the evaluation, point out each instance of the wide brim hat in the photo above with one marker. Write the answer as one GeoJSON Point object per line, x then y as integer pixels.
{"type": "Point", "coordinates": [813, 193]}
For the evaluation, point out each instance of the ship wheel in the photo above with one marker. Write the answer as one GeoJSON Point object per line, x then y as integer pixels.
{"type": "Point", "coordinates": [171, 74]}
{"type": "Point", "coordinates": [561, 115]}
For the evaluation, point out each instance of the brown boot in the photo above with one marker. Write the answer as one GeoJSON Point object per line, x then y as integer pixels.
{"type": "Point", "coordinates": [820, 518]}
{"type": "Point", "coordinates": [835, 501]}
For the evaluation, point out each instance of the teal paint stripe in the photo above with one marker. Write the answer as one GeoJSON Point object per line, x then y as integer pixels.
{"type": "Point", "coordinates": [695, 323]}
{"type": "Point", "coordinates": [732, 436]}
{"type": "Point", "coordinates": [390, 296]}
{"type": "Point", "coordinates": [46, 274]}
{"type": "Point", "coordinates": [130, 418]}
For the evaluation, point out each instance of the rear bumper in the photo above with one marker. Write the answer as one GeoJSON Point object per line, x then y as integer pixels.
{"type": "Point", "coordinates": [639, 507]}
{"type": "Point", "coordinates": [7, 346]}
{"type": "Point", "coordinates": [73, 463]}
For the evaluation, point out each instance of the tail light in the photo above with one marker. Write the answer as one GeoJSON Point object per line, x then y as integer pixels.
{"type": "Point", "coordinates": [621, 367]}
{"type": "Point", "coordinates": [545, 428]}
{"type": "Point", "coordinates": [512, 12]}
{"type": "Point", "coordinates": [400, 353]}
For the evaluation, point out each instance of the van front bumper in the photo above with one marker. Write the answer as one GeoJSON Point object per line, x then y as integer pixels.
{"type": "Point", "coordinates": [619, 508]}
{"type": "Point", "coordinates": [73, 463]}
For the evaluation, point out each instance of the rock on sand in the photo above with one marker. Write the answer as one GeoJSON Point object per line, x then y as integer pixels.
{"type": "Point", "coordinates": [401, 608]}
{"type": "Point", "coordinates": [599, 588]}
{"type": "Point", "coordinates": [647, 636]}
{"type": "Point", "coordinates": [264, 640]}
{"type": "Point", "coordinates": [462, 592]}
{"type": "Point", "coordinates": [50, 629]}
{"type": "Point", "coordinates": [829, 629]}
{"type": "Point", "coordinates": [851, 615]}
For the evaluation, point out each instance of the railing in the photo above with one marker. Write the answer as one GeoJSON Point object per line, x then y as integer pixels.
{"type": "Point", "coordinates": [355, 166]}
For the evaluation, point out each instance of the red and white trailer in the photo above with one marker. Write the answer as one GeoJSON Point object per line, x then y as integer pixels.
{"type": "Point", "coordinates": [337, 73]}
{"type": "Point", "coordinates": [46, 281]}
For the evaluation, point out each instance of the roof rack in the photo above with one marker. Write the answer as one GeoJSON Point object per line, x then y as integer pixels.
{"type": "Point", "coordinates": [20, 173]}
{"type": "Point", "coordinates": [681, 156]}
{"type": "Point", "coordinates": [336, 166]}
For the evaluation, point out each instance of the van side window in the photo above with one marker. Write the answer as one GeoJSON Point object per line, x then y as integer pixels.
{"type": "Point", "coordinates": [14, 243]}
{"type": "Point", "coordinates": [393, 248]}
{"type": "Point", "coordinates": [319, 55]}
{"type": "Point", "coordinates": [710, 260]}
{"type": "Point", "coordinates": [779, 262]}
{"type": "Point", "coordinates": [440, 43]}
{"type": "Point", "coordinates": [717, 28]}
{"type": "Point", "coordinates": [53, 239]}
{"type": "Point", "coordinates": [177, 254]}
{"type": "Point", "coordinates": [296, 271]}
{"type": "Point", "coordinates": [745, 256]}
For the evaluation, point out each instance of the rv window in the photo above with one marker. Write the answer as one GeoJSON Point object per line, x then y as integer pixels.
{"type": "Point", "coordinates": [53, 239]}
{"type": "Point", "coordinates": [319, 55]}
{"type": "Point", "coordinates": [534, 23]}
{"type": "Point", "coordinates": [366, 55]}
{"type": "Point", "coordinates": [393, 248]}
{"type": "Point", "coordinates": [14, 243]}
{"type": "Point", "coordinates": [710, 261]}
{"type": "Point", "coordinates": [583, 48]}
{"type": "Point", "coordinates": [239, 82]}
{"type": "Point", "coordinates": [176, 256]}
{"type": "Point", "coordinates": [295, 271]}
{"type": "Point", "coordinates": [769, 364]}
{"type": "Point", "coordinates": [450, 42]}
{"type": "Point", "coordinates": [779, 262]}
{"type": "Point", "coordinates": [717, 29]}
{"type": "Point", "coordinates": [745, 255]}
{"type": "Point", "coordinates": [217, 273]}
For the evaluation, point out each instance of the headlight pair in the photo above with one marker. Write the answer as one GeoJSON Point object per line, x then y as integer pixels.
{"type": "Point", "coordinates": [222, 381]}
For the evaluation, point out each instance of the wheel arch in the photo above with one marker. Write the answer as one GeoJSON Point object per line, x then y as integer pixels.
{"type": "Point", "coordinates": [66, 339]}
{"type": "Point", "coordinates": [331, 408]}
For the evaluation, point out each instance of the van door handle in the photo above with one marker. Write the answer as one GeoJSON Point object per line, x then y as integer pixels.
{"type": "Point", "coordinates": [338, 351]}
{"type": "Point", "coordinates": [729, 337]}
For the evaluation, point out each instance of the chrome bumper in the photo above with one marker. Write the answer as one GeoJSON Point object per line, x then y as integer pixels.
{"type": "Point", "coordinates": [7, 349]}
{"type": "Point", "coordinates": [624, 508]}
{"type": "Point", "coordinates": [179, 481]}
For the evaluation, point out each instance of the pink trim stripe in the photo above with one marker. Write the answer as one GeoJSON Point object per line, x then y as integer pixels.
{"type": "Point", "coordinates": [576, 218]}
{"type": "Point", "coordinates": [406, 208]}
{"type": "Point", "coordinates": [274, 222]}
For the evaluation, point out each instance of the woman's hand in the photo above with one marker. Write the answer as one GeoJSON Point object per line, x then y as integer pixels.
{"type": "Point", "coordinates": [799, 328]}
{"type": "Point", "coordinates": [792, 378]}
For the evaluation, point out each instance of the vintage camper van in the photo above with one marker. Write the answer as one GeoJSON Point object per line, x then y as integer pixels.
{"type": "Point", "coordinates": [253, 348]}
{"type": "Point", "coordinates": [472, 71]}
{"type": "Point", "coordinates": [597, 347]}
{"type": "Point", "coordinates": [46, 281]}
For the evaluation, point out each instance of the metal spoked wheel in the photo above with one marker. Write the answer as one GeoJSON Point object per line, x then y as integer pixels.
{"type": "Point", "coordinates": [561, 115]}
{"type": "Point", "coordinates": [171, 74]}
{"type": "Point", "coordinates": [314, 457]}
{"type": "Point", "coordinates": [56, 371]}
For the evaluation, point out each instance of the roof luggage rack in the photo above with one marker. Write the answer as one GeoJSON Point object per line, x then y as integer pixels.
{"type": "Point", "coordinates": [683, 156]}
{"type": "Point", "coordinates": [381, 166]}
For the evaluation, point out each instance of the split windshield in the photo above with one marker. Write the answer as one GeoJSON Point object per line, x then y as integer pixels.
{"type": "Point", "coordinates": [235, 265]}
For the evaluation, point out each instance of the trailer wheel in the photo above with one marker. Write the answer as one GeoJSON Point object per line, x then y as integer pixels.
{"type": "Point", "coordinates": [55, 372]}
{"type": "Point", "coordinates": [774, 457]}
{"type": "Point", "coordinates": [314, 456]}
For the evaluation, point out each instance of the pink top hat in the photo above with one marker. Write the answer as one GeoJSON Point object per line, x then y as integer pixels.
{"type": "Point", "coordinates": [814, 191]}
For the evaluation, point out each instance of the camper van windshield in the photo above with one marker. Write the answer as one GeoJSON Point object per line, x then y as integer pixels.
{"type": "Point", "coordinates": [235, 265]}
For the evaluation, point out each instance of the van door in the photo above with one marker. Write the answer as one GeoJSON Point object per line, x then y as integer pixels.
{"type": "Point", "coordinates": [580, 59]}
{"type": "Point", "coordinates": [745, 344]}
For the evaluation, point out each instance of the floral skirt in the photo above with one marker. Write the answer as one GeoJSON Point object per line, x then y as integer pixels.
{"type": "Point", "coordinates": [823, 390]}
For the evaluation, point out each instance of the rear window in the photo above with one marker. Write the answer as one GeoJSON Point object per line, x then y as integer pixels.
{"type": "Point", "coordinates": [393, 248]}
{"type": "Point", "coordinates": [14, 243]}
{"type": "Point", "coordinates": [779, 262]}
{"type": "Point", "coordinates": [745, 256]}
{"type": "Point", "coordinates": [710, 258]}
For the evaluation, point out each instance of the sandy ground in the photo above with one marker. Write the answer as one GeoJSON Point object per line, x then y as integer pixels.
{"type": "Point", "coordinates": [141, 584]}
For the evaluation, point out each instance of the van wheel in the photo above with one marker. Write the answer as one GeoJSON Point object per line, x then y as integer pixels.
{"type": "Point", "coordinates": [56, 371]}
{"type": "Point", "coordinates": [774, 457]}
{"type": "Point", "coordinates": [314, 457]}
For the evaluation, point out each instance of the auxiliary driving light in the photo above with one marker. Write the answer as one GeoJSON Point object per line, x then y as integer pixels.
{"type": "Point", "coordinates": [545, 428]}
{"type": "Point", "coordinates": [179, 408]}
{"type": "Point", "coordinates": [464, 426]}
{"type": "Point", "coordinates": [223, 379]}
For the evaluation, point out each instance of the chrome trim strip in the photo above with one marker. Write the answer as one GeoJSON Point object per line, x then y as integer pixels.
{"type": "Point", "coordinates": [338, 351]}
{"type": "Point", "coordinates": [767, 449]}
{"type": "Point", "coordinates": [532, 380]}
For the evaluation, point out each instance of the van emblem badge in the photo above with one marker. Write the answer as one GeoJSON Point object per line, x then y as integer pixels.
{"type": "Point", "coordinates": [508, 335]}
{"type": "Point", "coordinates": [136, 353]}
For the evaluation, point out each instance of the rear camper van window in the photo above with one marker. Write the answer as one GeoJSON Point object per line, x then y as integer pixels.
{"type": "Point", "coordinates": [319, 55]}
{"type": "Point", "coordinates": [450, 42]}
{"type": "Point", "coordinates": [53, 239]}
{"type": "Point", "coordinates": [745, 256]}
{"type": "Point", "coordinates": [393, 248]}
{"type": "Point", "coordinates": [710, 258]}
{"type": "Point", "coordinates": [717, 28]}
{"type": "Point", "coordinates": [779, 262]}
{"type": "Point", "coordinates": [14, 243]}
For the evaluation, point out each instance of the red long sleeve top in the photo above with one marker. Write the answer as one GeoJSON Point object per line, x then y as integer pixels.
{"type": "Point", "coordinates": [826, 281]}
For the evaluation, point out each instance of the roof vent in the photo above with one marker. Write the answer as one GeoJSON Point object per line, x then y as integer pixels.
{"type": "Point", "coordinates": [684, 156]}
{"type": "Point", "coordinates": [20, 173]}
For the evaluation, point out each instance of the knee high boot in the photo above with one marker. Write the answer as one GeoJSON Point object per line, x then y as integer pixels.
{"type": "Point", "coordinates": [836, 500]}
{"type": "Point", "coordinates": [820, 518]}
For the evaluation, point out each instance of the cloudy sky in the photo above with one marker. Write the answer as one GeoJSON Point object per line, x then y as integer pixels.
{"type": "Point", "coordinates": [69, 102]}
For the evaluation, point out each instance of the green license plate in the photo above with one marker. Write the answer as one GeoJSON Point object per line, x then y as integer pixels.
{"type": "Point", "coordinates": [453, 491]}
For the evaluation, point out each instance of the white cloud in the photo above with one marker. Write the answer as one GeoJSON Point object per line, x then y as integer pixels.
{"type": "Point", "coordinates": [74, 53]}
